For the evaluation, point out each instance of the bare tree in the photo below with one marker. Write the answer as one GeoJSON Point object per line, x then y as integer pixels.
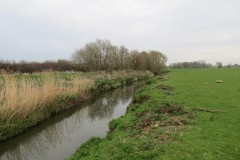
{"type": "Point", "coordinates": [102, 55]}
{"type": "Point", "coordinates": [157, 61]}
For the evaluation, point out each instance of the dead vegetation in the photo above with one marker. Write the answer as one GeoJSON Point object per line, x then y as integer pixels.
{"type": "Point", "coordinates": [19, 97]}
{"type": "Point", "coordinates": [168, 115]}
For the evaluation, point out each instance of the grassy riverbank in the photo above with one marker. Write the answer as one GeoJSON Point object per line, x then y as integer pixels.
{"type": "Point", "coordinates": [186, 115]}
{"type": "Point", "coordinates": [27, 99]}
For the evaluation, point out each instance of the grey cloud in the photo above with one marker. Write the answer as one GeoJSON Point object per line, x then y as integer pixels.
{"type": "Point", "coordinates": [182, 29]}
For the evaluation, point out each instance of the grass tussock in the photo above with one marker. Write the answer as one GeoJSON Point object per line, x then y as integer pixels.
{"type": "Point", "coordinates": [20, 96]}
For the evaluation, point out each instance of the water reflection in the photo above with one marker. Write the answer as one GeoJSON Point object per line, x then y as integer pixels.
{"type": "Point", "coordinates": [59, 137]}
{"type": "Point", "coordinates": [105, 107]}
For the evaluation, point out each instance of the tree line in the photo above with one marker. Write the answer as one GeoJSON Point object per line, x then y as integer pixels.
{"type": "Point", "coordinates": [94, 56]}
{"type": "Point", "coordinates": [30, 67]}
{"type": "Point", "coordinates": [195, 64]}
{"type": "Point", "coordinates": [200, 64]}
{"type": "Point", "coordinates": [102, 55]}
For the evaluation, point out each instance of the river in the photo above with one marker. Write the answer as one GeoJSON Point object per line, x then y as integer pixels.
{"type": "Point", "coordinates": [60, 136]}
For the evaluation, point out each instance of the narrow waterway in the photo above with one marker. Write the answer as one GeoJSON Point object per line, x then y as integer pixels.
{"type": "Point", "coordinates": [60, 136]}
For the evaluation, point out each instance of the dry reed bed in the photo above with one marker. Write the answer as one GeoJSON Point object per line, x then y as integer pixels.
{"type": "Point", "coordinates": [19, 97]}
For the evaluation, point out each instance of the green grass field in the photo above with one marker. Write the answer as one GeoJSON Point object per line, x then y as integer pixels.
{"type": "Point", "coordinates": [186, 115]}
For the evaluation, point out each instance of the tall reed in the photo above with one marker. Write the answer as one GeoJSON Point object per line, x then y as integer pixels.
{"type": "Point", "coordinates": [20, 96]}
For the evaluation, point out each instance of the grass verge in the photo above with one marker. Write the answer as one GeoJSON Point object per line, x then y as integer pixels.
{"type": "Point", "coordinates": [184, 116]}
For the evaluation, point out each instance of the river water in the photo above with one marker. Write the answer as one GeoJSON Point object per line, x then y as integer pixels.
{"type": "Point", "coordinates": [59, 137]}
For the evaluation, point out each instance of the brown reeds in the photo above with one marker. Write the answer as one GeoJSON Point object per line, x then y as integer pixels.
{"type": "Point", "coordinates": [20, 96]}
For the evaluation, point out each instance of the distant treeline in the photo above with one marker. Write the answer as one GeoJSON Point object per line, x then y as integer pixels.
{"type": "Point", "coordinates": [94, 56]}
{"type": "Point", "coordinates": [30, 67]}
{"type": "Point", "coordinates": [195, 64]}
{"type": "Point", "coordinates": [102, 55]}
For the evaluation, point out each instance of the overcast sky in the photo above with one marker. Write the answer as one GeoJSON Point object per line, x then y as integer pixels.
{"type": "Point", "coordinates": [184, 30]}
